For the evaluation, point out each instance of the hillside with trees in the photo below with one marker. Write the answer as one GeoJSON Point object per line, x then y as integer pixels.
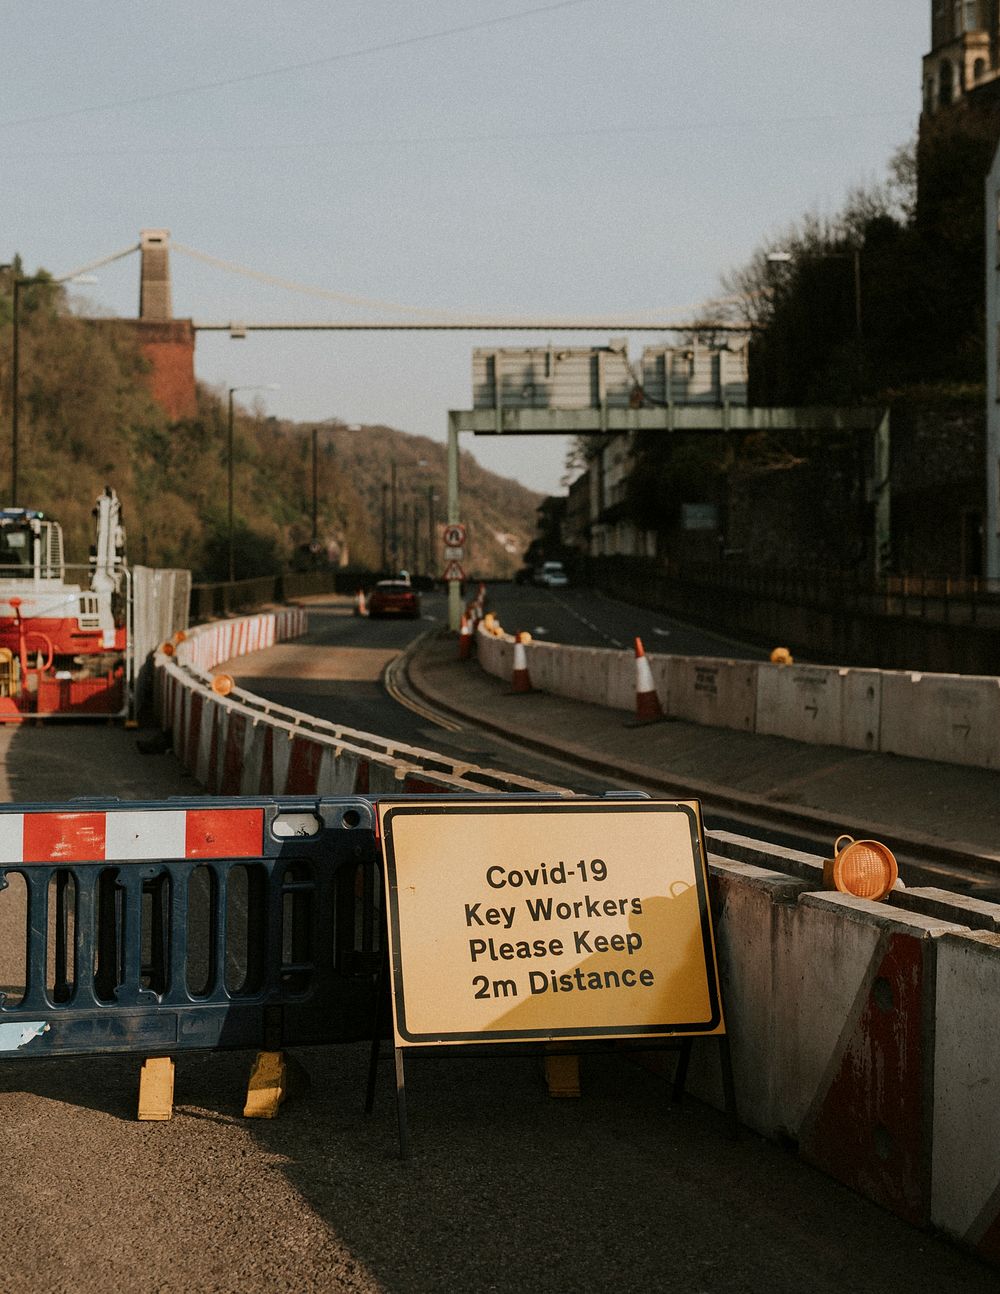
{"type": "Point", "coordinates": [87, 420]}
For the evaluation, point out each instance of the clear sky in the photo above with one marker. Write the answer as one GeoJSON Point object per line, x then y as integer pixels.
{"type": "Point", "coordinates": [593, 157]}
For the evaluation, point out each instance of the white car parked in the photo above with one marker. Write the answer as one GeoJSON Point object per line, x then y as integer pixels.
{"type": "Point", "coordinates": [552, 575]}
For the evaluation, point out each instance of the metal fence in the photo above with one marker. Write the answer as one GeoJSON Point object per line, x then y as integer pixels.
{"type": "Point", "coordinates": [946, 599]}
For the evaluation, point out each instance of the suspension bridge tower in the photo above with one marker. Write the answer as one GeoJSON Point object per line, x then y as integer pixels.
{"type": "Point", "coordinates": [167, 343]}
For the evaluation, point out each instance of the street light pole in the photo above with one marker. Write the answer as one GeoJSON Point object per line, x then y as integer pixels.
{"type": "Point", "coordinates": [15, 376]}
{"type": "Point", "coordinates": [854, 255]}
{"type": "Point", "coordinates": [229, 508]}
{"type": "Point", "coordinates": [315, 489]}
{"type": "Point", "coordinates": [15, 361]}
{"type": "Point", "coordinates": [385, 525]}
{"type": "Point", "coordinates": [17, 282]}
{"type": "Point", "coordinates": [431, 555]}
{"type": "Point", "coordinates": [257, 386]}
{"type": "Point", "coordinates": [394, 533]}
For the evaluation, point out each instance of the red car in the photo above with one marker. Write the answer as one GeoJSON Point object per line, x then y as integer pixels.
{"type": "Point", "coordinates": [394, 598]}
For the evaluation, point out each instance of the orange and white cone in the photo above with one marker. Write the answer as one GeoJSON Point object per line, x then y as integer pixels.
{"type": "Point", "coordinates": [465, 639]}
{"type": "Point", "coordinates": [360, 609]}
{"type": "Point", "coordinates": [520, 679]}
{"type": "Point", "coordinates": [647, 703]}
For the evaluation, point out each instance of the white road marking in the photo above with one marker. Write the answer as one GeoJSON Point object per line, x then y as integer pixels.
{"type": "Point", "coordinates": [584, 621]}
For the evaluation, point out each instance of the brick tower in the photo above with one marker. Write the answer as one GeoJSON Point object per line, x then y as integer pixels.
{"type": "Point", "coordinates": [965, 51]}
{"type": "Point", "coordinates": [166, 342]}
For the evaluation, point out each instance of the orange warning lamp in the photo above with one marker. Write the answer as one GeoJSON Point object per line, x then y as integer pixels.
{"type": "Point", "coordinates": [180, 636]}
{"type": "Point", "coordinates": [167, 648]}
{"type": "Point", "coordinates": [864, 868]}
{"type": "Point", "coordinates": [781, 656]}
{"type": "Point", "coordinates": [223, 684]}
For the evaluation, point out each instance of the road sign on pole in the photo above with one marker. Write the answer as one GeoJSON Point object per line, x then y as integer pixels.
{"type": "Point", "coordinates": [453, 571]}
{"type": "Point", "coordinates": [454, 534]}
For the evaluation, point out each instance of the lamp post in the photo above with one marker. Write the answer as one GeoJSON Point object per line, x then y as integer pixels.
{"type": "Point", "coordinates": [256, 386]}
{"type": "Point", "coordinates": [854, 255]}
{"type": "Point", "coordinates": [315, 491]}
{"type": "Point", "coordinates": [332, 424]}
{"type": "Point", "coordinates": [17, 283]}
{"type": "Point", "coordinates": [385, 525]}
{"type": "Point", "coordinates": [393, 531]}
{"type": "Point", "coordinates": [431, 555]}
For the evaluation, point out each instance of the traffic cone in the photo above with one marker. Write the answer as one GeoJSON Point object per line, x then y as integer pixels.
{"type": "Point", "coordinates": [465, 639]}
{"type": "Point", "coordinates": [647, 703]}
{"type": "Point", "coordinates": [360, 609]}
{"type": "Point", "coordinates": [520, 679]}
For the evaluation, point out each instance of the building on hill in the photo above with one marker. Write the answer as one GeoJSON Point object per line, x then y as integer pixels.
{"type": "Point", "coordinates": [964, 56]}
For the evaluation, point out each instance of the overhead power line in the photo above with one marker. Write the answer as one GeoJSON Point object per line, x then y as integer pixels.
{"type": "Point", "coordinates": [622, 130]}
{"type": "Point", "coordinates": [383, 47]}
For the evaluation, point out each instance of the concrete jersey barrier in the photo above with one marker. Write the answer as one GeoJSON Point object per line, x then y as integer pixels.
{"type": "Point", "coordinates": [241, 744]}
{"type": "Point", "coordinates": [865, 1033]}
{"type": "Point", "coordinates": [952, 718]}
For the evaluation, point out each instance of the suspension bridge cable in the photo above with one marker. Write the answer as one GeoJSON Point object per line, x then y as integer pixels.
{"type": "Point", "coordinates": [95, 265]}
{"type": "Point", "coordinates": [652, 318]}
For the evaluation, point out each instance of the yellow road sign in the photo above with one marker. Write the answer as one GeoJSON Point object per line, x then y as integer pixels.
{"type": "Point", "coordinates": [545, 920]}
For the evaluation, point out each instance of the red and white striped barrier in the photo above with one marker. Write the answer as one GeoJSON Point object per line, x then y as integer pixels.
{"type": "Point", "coordinates": [130, 835]}
{"type": "Point", "coordinates": [240, 744]}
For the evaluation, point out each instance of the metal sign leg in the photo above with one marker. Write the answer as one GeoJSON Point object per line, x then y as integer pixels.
{"type": "Point", "coordinates": [381, 1001]}
{"type": "Point", "coordinates": [680, 1073]}
{"type": "Point", "coordinates": [404, 1134]}
{"type": "Point", "coordinates": [728, 1086]}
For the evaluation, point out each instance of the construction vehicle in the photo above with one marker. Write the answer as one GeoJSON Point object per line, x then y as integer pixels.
{"type": "Point", "coordinates": [64, 648]}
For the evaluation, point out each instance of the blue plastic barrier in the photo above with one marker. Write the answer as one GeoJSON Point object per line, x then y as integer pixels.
{"type": "Point", "coordinates": [202, 923]}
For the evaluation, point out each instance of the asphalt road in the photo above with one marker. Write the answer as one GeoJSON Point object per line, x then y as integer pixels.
{"type": "Point", "coordinates": [508, 1190]}
{"type": "Point", "coordinates": [586, 618]}
{"type": "Point", "coordinates": [334, 673]}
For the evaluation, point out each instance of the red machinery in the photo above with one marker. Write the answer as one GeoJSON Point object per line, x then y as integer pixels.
{"type": "Point", "coordinates": [63, 647]}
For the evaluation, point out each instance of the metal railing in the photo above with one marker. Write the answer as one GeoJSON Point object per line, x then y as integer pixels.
{"type": "Point", "coordinates": [949, 599]}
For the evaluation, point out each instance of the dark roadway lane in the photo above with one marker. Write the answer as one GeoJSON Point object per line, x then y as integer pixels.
{"type": "Point", "coordinates": [586, 618]}
{"type": "Point", "coordinates": [334, 672]}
